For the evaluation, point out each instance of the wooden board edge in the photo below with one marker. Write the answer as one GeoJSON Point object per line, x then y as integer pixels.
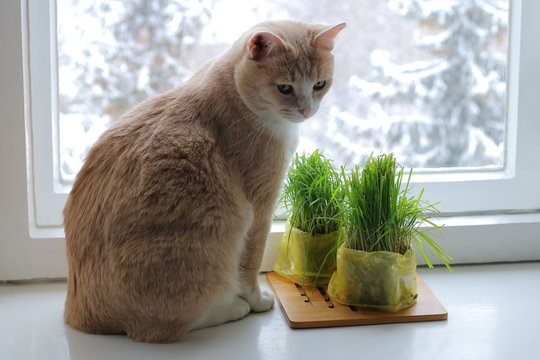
{"type": "Point", "coordinates": [306, 324]}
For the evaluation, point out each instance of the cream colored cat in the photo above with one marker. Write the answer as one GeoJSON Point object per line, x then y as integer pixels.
{"type": "Point", "coordinates": [167, 220]}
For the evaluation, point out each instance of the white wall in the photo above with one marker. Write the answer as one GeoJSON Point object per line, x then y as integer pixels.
{"type": "Point", "coordinates": [20, 256]}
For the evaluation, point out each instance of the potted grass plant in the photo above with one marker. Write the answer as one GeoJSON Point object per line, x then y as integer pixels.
{"type": "Point", "coordinates": [376, 264]}
{"type": "Point", "coordinates": [312, 196]}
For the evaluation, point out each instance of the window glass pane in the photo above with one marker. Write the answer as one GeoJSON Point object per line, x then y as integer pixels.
{"type": "Point", "coordinates": [423, 79]}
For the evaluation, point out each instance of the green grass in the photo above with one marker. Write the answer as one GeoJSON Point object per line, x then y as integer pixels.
{"type": "Point", "coordinates": [312, 194]}
{"type": "Point", "coordinates": [379, 215]}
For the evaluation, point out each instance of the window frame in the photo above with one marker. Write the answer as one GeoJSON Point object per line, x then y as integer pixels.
{"type": "Point", "coordinates": [462, 191]}
{"type": "Point", "coordinates": [521, 171]}
{"type": "Point", "coordinates": [42, 95]}
{"type": "Point", "coordinates": [21, 256]}
{"type": "Point", "coordinates": [30, 249]}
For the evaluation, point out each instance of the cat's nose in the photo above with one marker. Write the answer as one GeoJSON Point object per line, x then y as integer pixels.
{"type": "Point", "coordinates": [304, 111]}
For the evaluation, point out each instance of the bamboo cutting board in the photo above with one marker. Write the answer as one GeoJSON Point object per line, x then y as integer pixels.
{"type": "Point", "coordinates": [309, 307]}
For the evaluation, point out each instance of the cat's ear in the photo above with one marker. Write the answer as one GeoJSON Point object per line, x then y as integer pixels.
{"type": "Point", "coordinates": [325, 39]}
{"type": "Point", "coordinates": [264, 44]}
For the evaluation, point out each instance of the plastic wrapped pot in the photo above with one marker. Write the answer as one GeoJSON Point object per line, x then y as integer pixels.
{"type": "Point", "coordinates": [306, 259]}
{"type": "Point", "coordinates": [378, 280]}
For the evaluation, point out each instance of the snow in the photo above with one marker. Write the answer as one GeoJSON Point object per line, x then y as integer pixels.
{"type": "Point", "coordinates": [230, 18]}
{"type": "Point", "coordinates": [77, 133]}
{"type": "Point", "coordinates": [434, 99]}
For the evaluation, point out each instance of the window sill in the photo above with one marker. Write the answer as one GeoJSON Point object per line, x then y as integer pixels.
{"type": "Point", "coordinates": [483, 323]}
{"type": "Point", "coordinates": [469, 239]}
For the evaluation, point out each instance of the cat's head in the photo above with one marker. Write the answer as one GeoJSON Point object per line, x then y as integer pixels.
{"type": "Point", "coordinates": [286, 68]}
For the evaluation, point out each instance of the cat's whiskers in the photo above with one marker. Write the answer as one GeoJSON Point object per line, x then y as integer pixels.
{"type": "Point", "coordinates": [238, 120]}
{"type": "Point", "coordinates": [231, 127]}
{"type": "Point", "coordinates": [270, 138]}
{"type": "Point", "coordinates": [253, 141]}
{"type": "Point", "coordinates": [251, 137]}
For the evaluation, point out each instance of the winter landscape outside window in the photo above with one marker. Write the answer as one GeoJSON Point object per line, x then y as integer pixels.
{"type": "Point", "coordinates": [423, 79]}
{"type": "Point", "coordinates": [500, 206]}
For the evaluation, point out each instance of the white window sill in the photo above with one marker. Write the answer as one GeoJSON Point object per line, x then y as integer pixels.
{"type": "Point", "coordinates": [469, 239]}
{"type": "Point", "coordinates": [489, 317]}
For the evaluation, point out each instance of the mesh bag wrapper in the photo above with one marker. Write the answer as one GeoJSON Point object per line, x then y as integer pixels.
{"type": "Point", "coordinates": [380, 280]}
{"type": "Point", "coordinates": [306, 259]}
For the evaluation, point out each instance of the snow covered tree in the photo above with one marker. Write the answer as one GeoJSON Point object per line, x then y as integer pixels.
{"type": "Point", "coordinates": [445, 111]}
{"type": "Point", "coordinates": [114, 54]}
{"type": "Point", "coordinates": [138, 51]}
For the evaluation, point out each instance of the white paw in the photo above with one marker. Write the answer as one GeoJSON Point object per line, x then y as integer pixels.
{"type": "Point", "coordinates": [238, 309]}
{"type": "Point", "coordinates": [222, 313]}
{"type": "Point", "coordinates": [260, 301]}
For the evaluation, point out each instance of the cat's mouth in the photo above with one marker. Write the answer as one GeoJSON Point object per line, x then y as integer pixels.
{"type": "Point", "coordinates": [294, 117]}
{"type": "Point", "coordinates": [297, 120]}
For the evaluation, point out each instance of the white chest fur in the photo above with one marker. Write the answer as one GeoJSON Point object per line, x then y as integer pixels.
{"type": "Point", "coordinates": [290, 139]}
{"type": "Point", "coordinates": [287, 132]}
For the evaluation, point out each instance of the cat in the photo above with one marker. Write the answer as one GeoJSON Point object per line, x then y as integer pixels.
{"type": "Point", "coordinates": [167, 219]}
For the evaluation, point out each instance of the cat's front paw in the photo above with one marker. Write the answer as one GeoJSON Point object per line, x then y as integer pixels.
{"type": "Point", "coordinates": [260, 301]}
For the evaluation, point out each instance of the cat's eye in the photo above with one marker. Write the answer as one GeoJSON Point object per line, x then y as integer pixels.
{"type": "Point", "coordinates": [319, 85]}
{"type": "Point", "coordinates": [285, 89]}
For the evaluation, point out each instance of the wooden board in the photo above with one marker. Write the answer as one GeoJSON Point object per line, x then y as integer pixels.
{"type": "Point", "coordinates": [308, 307]}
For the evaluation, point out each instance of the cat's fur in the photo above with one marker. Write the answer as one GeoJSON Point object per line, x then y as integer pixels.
{"type": "Point", "coordinates": [167, 219]}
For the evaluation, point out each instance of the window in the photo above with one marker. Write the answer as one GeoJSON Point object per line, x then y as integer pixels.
{"type": "Point", "coordinates": [427, 80]}
{"type": "Point", "coordinates": [506, 183]}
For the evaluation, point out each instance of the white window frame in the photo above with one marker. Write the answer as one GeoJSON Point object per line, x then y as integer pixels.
{"type": "Point", "coordinates": [21, 256]}
{"type": "Point", "coordinates": [512, 188]}
{"type": "Point", "coordinates": [460, 190]}
{"type": "Point", "coordinates": [31, 240]}
{"type": "Point", "coordinates": [42, 96]}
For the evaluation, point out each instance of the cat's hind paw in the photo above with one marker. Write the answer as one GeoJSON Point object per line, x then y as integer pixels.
{"type": "Point", "coordinates": [222, 313]}
{"type": "Point", "coordinates": [260, 301]}
{"type": "Point", "coordinates": [238, 309]}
